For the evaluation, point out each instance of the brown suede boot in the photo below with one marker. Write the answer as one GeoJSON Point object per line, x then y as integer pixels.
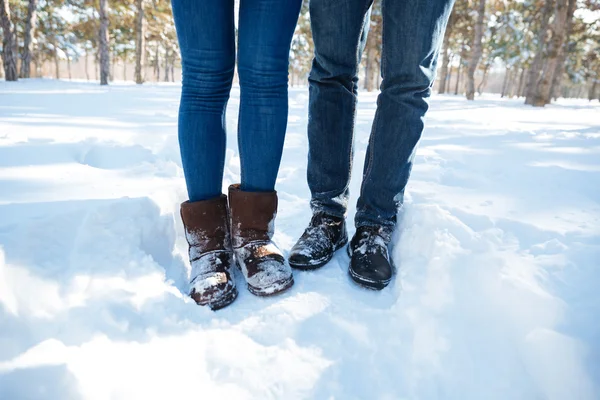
{"type": "Point", "coordinates": [207, 231]}
{"type": "Point", "coordinates": [252, 224]}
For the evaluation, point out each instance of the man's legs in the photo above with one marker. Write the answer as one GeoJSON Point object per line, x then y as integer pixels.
{"type": "Point", "coordinates": [412, 34]}
{"type": "Point", "coordinates": [339, 32]}
{"type": "Point", "coordinates": [413, 31]}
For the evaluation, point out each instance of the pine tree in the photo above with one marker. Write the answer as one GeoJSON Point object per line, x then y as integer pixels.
{"type": "Point", "coordinates": [564, 50]}
{"type": "Point", "coordinates": [476, 51]}
{"type": "Point", "coordinates": [372, 52]}
{"type": "Point", "coordinates": [536, 64]}
{"type": "Point", "coordinates": [543, 88]}
{"type": "Point", "coordinates": [9, 56]}
{"type": "Point", "coordinates": [139, 41]}
{"type": "Point", "coordinates": [28, 38]}
{"type": "Point", "coordinates": [446, 54]}
{"type": "Point", "coordinates": [103, 42]}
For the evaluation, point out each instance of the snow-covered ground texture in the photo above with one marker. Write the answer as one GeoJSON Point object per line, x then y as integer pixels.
{"type": "Point", "coordinates": [498, 251]}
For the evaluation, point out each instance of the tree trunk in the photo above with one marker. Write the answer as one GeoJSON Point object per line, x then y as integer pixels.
{"type": "Point", "coordinates": [367, 68]}
{"type": "Point", "coordinates": [69, 65]}
{"type": "Point", "coordinates": [449, 79]}
{"type": "Point", "coordinates": [446, 62]}
{"type": "Point", "coordinates": [536, 64]}
{"type": "Point", "coordinates": [368, 86]}
{"type": "Point", "coordinates": [157, 66]}
{"type": "Point", "coordinates": [592, 91]}
{"type": "Point", "coordinates": [445, 73]}
{"type": "Point", "coordinates": [505, 82]}
{"type": "Point", "coordinates": [511, 83]}
{"type": "Point", "coordinates": [483, 82]}
{"type": "Point", "coordinates": [87, 65]}
{"type": "Point", "coordinates": [96, 65]}
{"type": "Point", "coordinates": [523, 92]}
{"type": "Point", "coordinates": [564, 51]}
{"type": "Point", "coordinates": [520, 87]}
{"type": "Point", "coordinates": [458, 76]}
{"type": "Point", "coordinates": [124, 68]}
{"type": "Point", "coordinates": [568, 93]}
{"type": "Point", "coordinates": [28, 39]}
{"type": "Point", "coordinates": [166, 64]}
{"type": "Point", "coordinates": [477, 51]}
{"type": "Point", "coordinates": [103, 43]}
{"type": "Point", "coordinates": [371, 71]}
{"type": "Point", "coordinates": [55, 56]}
{"type": "Point", "coordinates": [145, 59]}
{"type": "Point", "coordinates": [113, 64]}
{"type": "Point", "coordinates": [139, 42]}
{"type": "Point", "coordinates": [543, 90]}
{"type": "Point", "coordinates": [9, 44]}
{"type": "Point", "coordinates": [508, 83]}
{"type": "Point", "coordinates": [36, 65]}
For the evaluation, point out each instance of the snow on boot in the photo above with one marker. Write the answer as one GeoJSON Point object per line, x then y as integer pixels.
{"type": "Point", "coordinates": [370, 264]}
{"type": "Point", "coordinates": [252, 223]}
{"type": "Point", "coordinates": [207, 231]}
{"type": "Point", "coordinates": [322, 238]}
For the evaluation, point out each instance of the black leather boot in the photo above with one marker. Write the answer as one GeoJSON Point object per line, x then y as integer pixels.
{"type": "Point", "coordinates": [323, 237]}
{"type": "Point", "coordinates": [370, 263]}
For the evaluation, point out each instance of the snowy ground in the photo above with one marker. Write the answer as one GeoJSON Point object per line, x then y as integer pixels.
{"type": "Point", "coordinates": [496, 295]}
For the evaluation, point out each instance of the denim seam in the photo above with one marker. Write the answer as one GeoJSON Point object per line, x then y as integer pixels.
{"type": "Point", "coordinates": [240, 140]}
{"type": "Point", "coordinates": [354, 104]}
{"type": "Point", "coordinates": [365, 11]}
{"type": "Point", "coordinates": [378, 114]}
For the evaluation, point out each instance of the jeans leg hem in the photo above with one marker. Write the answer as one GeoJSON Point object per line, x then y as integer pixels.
{"type": "Point", "coordinates": [385, 227]}
{"type": "Point", "coordinates": [327, 210]}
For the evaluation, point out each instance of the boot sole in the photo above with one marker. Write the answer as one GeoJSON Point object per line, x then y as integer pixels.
{"type": "Point", "coordinates": [365, 282]}
{"type": "Point", "coordinates": [222, 302]}
{"type": "Point", "coordinates": [320, 263]}
{"type": "Point", "coordinates": [268, 292]}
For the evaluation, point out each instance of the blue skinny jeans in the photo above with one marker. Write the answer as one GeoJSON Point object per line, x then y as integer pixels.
{"type": "Point", "coordinates": [206, 34]}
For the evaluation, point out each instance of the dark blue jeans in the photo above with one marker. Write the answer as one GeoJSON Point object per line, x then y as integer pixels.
{"type": "Point", "coordinates": [413, 31]}
{"type": "Point", "coordinates": [206, 33]}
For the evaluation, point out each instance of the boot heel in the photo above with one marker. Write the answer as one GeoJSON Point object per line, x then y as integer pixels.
{"type": "Point", "coordinates": [324, 236]}
{"type": "Point", "coordinates": [262, 264]}
{"type": "Point", "coordinates": [206, 226]}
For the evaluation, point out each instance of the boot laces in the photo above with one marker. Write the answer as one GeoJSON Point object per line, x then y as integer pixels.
{"type": "Point", "coordinates": [371, 240]}
{"type": "Point", "coordinates": [320, 225]}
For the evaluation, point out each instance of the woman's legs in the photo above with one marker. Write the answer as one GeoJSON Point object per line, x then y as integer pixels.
{"type": "Point", "coordinates": [265, 34]}
{"type": "Point", "coordinates": [206, 34]}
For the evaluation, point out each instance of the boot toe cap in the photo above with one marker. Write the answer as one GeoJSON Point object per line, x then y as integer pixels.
{"type": "Point", "coordinates": [274, 276]}
{"type": "Point", "coordinates": [311, 254]}
{"type": "Point", "coordinates": [300, 257]}
{"type": "Point", "coordinates": [372, 273]}
{"type": "Point", "coordinates": [215, 289]}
